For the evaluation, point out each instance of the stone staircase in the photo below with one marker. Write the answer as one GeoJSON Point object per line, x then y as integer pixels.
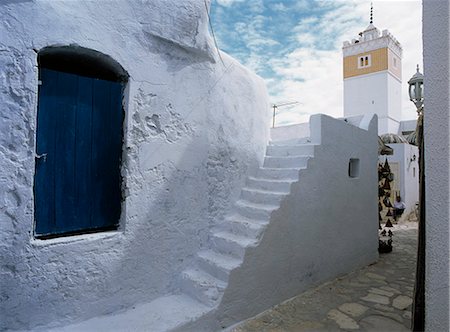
{"type": "Point", "coordinates": [203, 284]}
{"type": "Point", "coordinates": [207, 279]}
{"type": "Point", "coordinates": [213, 289]}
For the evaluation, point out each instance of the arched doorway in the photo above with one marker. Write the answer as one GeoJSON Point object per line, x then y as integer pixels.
{"type": "Point", "coordinates": [79, 142]}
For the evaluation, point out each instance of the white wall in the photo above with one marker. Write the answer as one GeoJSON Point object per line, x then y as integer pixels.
{"type": "Point", "coordinates": [437, 108]}
{"type": "Point", "coordinates": [378, 93]}
{"type": "Point", "coordinates": [180, 174]}
{"type": "Point", "coordinates": [394, 95]}
{"type": "Point", "coordinates": [410, 186]}
{"type": "Point", "coordinates": [408, 125]}
{"type": "Point", "coordinates": [409, 172]}
{"type": "Point", "coordinates": [284, 133]}
{"type": "Point", "coordinates": [327, 226]}
{"type": "Point", "coordinates": [366, 94]}
{"type": "Point", "coordinates": [387, 126]}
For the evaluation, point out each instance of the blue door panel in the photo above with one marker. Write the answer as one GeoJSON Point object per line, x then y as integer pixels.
{"type": "Point", "coordinates": [116, 154]}
{"type": "Point", "coordinates": [45, 147]}
{"type": "Point", "coordinates": [83, 190]}
{"type": "Point", "coordinates": [101, 153]}
{"type": "Point", "coordinates": [65, 153]}
{"type": "Point", "coordinates": [77, 185]}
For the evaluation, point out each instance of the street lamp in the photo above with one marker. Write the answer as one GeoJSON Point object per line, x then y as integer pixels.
{"type": "Point", "coordinates": [417, 97]}
{"type": "Point", "coordinates": [416, 90]}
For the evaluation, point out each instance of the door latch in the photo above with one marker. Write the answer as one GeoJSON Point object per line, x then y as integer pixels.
{"type": "Point", "coordinates": [41, 156]}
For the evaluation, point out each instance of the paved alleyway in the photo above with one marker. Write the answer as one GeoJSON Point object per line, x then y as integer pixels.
{"type": "Point", "coordinates": [376, 298]}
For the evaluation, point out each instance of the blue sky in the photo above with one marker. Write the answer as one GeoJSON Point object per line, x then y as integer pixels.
{"type": "Point", "coordinates": [295, 45]}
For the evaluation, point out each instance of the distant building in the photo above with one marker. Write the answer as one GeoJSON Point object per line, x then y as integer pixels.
{"type": "Point", "coordinates": [373, 78]}
{"type": "Point", "coordinates": [372, 73]}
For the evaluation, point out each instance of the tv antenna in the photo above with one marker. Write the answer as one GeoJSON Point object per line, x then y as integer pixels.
{"type": "Point", "coordinates": [275, 106]}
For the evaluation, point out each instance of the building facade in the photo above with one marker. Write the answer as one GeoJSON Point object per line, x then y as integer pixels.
{"type": "Point", "coordinates": [164, 164]}
{"type": "Point", "coordinates": [372, 73]}
{"type": "Point", "coordinates": [373, 77]}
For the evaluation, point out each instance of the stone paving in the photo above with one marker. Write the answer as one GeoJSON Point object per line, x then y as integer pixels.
{"type": "Point", "coordinates": [376, 298]}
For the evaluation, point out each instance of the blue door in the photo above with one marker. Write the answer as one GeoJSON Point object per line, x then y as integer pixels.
{"type": "Point", "coordinates": [78, 154]}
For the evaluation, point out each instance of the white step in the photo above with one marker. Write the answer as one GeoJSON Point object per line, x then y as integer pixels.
{"type": "Point", "coordinates": [216, 264]}
{"type": "Point", "coordinates": [231, 244]}
{"type": "Point", "coordinates": [162, 314]}
{"type": "Point", "coordinates": [279, 173]}
{"type": "Point", "coordinates": [202, 286]}
{"type": "Point", "coordinates": [286, 162]}
{"type": "Point", "coordinates": [262, 196]}
{"type": "Point", "coordinates": [294, 141]}
{"type": "Point", "coordinates": [242, 226]}
{"type": "Point", "coordinates": [254, 211]}
{"type": "Point", "coordinates": [265, 184]}
{"type": "Point", "coordinates": [290, 150]}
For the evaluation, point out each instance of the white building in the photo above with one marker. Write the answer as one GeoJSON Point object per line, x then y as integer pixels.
{"type": "Point", "coordinates": [137, 187]}
{"type": "Point", "coordinates": [373, 78]}
{"type": "Point", "coordinates": [372, 71]}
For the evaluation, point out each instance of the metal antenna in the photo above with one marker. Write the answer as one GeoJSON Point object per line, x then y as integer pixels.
{"type": "Point", "coordinates": [275, 106]}
{"type": "Point", "coordinates": [371, 13]}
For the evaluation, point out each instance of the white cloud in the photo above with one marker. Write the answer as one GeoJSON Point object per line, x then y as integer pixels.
{"type": "Point", "coordinates": [279, 7]}
{"type": "Point", "coordinates": [256, 6]}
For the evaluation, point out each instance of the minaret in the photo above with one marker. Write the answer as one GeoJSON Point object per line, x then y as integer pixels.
{"type": "Point", "coordinates": [373, 77]}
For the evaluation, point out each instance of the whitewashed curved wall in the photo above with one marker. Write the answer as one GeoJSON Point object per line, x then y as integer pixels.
{"type": "Point", "coordinates": [193, 127]}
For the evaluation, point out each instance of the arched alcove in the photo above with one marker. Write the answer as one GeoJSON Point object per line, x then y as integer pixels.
{"type": "Point", "coordinates": [82, 61]}
{"type": "Point", "coordinates": [79, 139]}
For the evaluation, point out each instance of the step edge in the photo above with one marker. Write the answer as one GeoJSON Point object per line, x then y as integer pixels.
{"type": "Point", "coordinates": [233, 262]}
{"type": "Point", "coordinates": [262, 191]}
{"type": "Point", "coordinates": [199, 275]}
{"type": "Point", "coordinates": [265, 207]}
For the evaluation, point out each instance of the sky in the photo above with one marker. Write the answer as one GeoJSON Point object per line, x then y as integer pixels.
{"type": "Point", "coordinates": [296, 46]}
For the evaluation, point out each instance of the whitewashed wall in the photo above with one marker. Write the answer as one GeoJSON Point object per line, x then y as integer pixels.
{"type": "Point", "coordinates": [326, 227]}
{"type": "Point", "coordinates": [193, 127]}
{"type": "Point", "coordinates": [409, 172]}
{"type": "Point", "coordinates": [436, 38]}
{"type": "Point", "coordinates": [328, 218]}
{"type": "Point", "coordinates": [360, 97]}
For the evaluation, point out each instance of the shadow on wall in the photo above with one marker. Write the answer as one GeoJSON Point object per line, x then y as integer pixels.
{"type": "Point", "coordinates": [101, 273]}
{"type": "Point", "coordinates": [182, 168]}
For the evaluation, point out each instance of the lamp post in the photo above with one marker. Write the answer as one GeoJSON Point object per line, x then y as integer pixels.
{"type": "Point", "coordinates": [416, 90]}
{"type": "Point", "coordinates": [416, 95]}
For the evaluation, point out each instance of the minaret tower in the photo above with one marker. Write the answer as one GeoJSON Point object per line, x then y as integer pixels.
{"type": "Point", "coordinates": [373, 77]}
